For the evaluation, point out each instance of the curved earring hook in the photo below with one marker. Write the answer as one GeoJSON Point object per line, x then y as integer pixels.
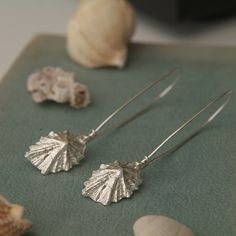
{"type": "Point", "coordinates": [148, 159]}
{"type": "Point", "coordinates": [95, 132]}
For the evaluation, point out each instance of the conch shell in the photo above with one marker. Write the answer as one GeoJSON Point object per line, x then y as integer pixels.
{"type": "Point", "coordinates": [100, 31]}
{"type": "Point", "coordinates": [11, 222]}
{"type": "Point", "coordinates": [112, 182]}
{"type": "Point", "coordinates": [56, 84]}
{"type": "Point", "coordinates": [57, 152]}
{"type": "Point", "coordinates": [153, 225]}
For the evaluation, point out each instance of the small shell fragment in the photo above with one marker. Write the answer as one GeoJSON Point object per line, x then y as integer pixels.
{"type": "Point", "coordinates": [11, 222]}
{"type": "Point", "coordinates": [57, 152]}
{"type": "Point", "coordinates": [56, 84]}
{"type": "Point", "coordinates": [153, 225]}
{"type": "Point", "coordinates": [112, 182]}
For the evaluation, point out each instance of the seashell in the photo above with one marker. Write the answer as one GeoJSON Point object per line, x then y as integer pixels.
{"type": "Point", "coordinates": [53, 83]}
{"type": "Point", "coordinates": [112, 182]}
{"type": "Point", "coordinates": [11, 222]}
{"type": "Point", "coordinates": [153, 225]}
{"type": "Point", "coordinates": [99, 33]}
{"type": "Point", "coordinates": [57, 152]}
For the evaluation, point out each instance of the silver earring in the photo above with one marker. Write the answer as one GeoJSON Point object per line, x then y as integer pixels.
{"type": "Point", "coordinates": [60, 151]}
{"type": "Point", "coordinates": [115, 181]}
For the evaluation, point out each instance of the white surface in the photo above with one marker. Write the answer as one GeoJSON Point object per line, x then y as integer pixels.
{"type": "Point", "coordinates": [21, 19]}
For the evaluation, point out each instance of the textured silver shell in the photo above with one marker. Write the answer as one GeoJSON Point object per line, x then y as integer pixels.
{"type": "Point", "coordinates": [57, 152]}
{"type": "Point", "coordinates": [113, 182]}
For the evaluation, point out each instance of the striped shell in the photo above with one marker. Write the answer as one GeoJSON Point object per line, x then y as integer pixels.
{"type": "Point", "coordinates": [11, 222]}
{"type": "Point", "coordinates": [57, 152]}
{"type": "Point", "coordinates": [112, 182]}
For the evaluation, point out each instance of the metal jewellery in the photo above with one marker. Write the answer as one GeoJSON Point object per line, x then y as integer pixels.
{"type": "Point", "coordinates": [115, 181]}
{"type": "Point", "coordinates": [60, 151]}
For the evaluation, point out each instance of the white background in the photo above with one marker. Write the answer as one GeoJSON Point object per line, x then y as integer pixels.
{"type": "Point", "coordinates": [21, 19]}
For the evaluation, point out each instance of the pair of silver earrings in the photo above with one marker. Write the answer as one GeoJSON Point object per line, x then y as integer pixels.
{"type": "Point", "coordinates": [60, 151]}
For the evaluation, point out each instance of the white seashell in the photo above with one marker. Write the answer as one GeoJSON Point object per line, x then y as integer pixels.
{"type": "Point", "coordinates": [153, 225]}
{"type": "Point", "coordinates": [57, 152]}
{"type": "Point", "coordinates": [52, 83]}
{"type": "Point", "coordinates": [112, 182]}
{"type": "Point", "coordinates": [11, 222]}
{"type": "Point", "coordinates": [99, 33]}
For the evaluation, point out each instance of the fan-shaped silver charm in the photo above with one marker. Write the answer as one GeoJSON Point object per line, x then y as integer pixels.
{"type": "Point", "coordinates": [57, 152]}
{"type": "Point", "coordinates": [113, 182]}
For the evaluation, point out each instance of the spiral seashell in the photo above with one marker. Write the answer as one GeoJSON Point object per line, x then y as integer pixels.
{"type": "Point", "coordinates": [99, 33]}
{"type": "Point", "coordinates": [11, 222]}
{"type": "Point", "coordinates": [154, 225]}
{"type": "Point", "coordinates": [112, 182]}
{"type": "Point", "coordinates": [57, 152]}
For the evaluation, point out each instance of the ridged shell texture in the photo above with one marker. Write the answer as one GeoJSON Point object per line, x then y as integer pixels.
{"type": "Point", "coordinates": [112, 182]}
{"type": "Point", "coordinates": [57, 152]}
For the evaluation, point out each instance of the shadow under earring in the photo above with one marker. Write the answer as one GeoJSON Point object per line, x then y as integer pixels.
{"type": "Point", "coordinates": [60, 151]}
{"type": "Point", "coordinates": [115, 181]}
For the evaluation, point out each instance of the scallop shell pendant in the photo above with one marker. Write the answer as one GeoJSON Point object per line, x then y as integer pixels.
{"type": "Point", "coordinates": [11, 222]}
{"type": "Point", "coordinates": [113, 182]}
{"type": "Point", "coordinates": [57, 152]}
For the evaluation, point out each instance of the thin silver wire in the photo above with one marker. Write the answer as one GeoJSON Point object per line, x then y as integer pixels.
{"type": "Point", "coordinates": [143, 91]}
{"type": "Point", "coordinates": [142, 110]}
{"type": "Point", "coordinates": [148, 159]}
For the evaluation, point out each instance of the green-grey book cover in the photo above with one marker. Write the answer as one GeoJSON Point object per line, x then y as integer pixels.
{"type": "Point", "coordinates": [196, 185]}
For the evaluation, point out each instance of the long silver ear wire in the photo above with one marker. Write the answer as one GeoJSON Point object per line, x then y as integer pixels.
{"type": "Point", "coordinates": [115, 181]}
{"type": "Point", "coordinates": [60, 151]}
